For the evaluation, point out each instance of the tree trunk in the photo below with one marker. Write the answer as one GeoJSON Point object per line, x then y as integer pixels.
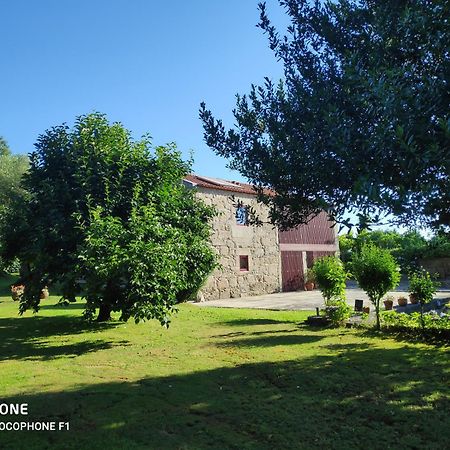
{"type": "Point", "coordinates": [104, 313]}
{"type": "Point", "coordinates": [422, 321]}
{"type": "Point", "coordinates": [377, 313]}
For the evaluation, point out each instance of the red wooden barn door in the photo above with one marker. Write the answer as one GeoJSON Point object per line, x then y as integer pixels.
{"type": "Point", "coordinates": [291, 270]}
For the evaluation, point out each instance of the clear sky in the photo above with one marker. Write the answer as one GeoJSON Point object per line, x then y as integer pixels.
{"type": "Point", "coordinates": [145, 63]}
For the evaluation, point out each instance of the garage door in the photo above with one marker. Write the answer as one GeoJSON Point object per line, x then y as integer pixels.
{"type": "Point", "coordinates": [292, 271]}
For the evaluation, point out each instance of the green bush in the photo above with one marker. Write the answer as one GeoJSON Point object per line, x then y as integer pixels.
{"type": "Point", "coordinates": [423, 288]}
{"type": "Point", "coordinates": [435, 325]}
{"type": "Point", "coordinates": [113, 213]}
{"type": "Point", "coordinates": [330, 275]}
{"type": "Point", "coordinates": [338, 312]}
{"type": "Point", "coordinates": [377, 272]}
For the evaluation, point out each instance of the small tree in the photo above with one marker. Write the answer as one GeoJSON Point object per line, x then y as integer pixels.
{"type": "Point", "coordinates": [423, 287]}
{"type": "Point", "coordinates": [331, 276]}
{"type": "Point", "coordinates": [377, 272]}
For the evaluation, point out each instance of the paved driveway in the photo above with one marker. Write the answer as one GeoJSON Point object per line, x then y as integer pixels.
{"type": "Point", "coordinates": [299, 300]}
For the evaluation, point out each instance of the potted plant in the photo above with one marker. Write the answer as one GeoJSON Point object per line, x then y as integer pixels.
{"type": "Point", "coordinates": [402, 301]}
{"type": "Point", "coordinates": [44, 293]}
{"type": "Point", "coordinates": [17, 291]}
{"type": "Point", "coordinates": [330, 275]}
{"type": "Point", "coordinates": [388, 302]}
{"type": "Point", "coordinates": [310, 280]}
{"type": "Point", "coordinates": [413, 299]}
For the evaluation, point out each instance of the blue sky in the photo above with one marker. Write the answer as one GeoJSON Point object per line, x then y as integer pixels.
{"type": "Point", "coordinates": [146, 63]}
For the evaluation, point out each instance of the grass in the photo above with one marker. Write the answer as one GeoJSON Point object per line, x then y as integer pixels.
{"type": "Point", "coordinates": [218, 379]}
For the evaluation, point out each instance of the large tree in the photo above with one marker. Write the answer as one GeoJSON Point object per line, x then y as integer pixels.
{"type": "Point", "coordinates": [360, 121]}
{"type": "Point", "coordinates": [109, 218]}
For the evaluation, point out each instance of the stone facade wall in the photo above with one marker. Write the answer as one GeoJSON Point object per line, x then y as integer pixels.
{"type": "Point", "coordinates": [231, 240]}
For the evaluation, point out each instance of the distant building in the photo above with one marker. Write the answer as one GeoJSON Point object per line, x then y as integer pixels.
{"type": "Point", "coordinates": [257, 260]}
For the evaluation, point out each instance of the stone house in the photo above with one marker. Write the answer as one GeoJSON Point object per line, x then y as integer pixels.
{"type": "Point", "coordinates": [257, 260]}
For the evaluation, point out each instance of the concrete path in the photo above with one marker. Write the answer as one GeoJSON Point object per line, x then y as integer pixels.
{"type": "Point", "coordinates": [300, 300]}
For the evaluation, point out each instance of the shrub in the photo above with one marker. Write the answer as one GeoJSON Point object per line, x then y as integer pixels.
{"type": "Point", "coordinates": [377, 272]}
{"type": "Point", "coordinates": [338, 312]}
{"type": "Point", "coordinates": [436, 325]}
{"type": "Point", "coordinates": [422, 286]}
{"type": "Point", "coordinates": [330, 275]}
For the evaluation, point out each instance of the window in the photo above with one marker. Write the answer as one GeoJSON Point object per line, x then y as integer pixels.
{"type": "Point", "coordinates": [243, 263]}
{"type": "Point", "coordinates": [241, 215]}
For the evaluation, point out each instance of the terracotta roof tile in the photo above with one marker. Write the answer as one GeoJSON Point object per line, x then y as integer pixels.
{"type": "Point", "coordinates": [220, 184]}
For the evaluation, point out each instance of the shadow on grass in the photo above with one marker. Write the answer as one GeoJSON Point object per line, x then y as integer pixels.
{"type": "Point", "coordinates": [247, 322]}
{"type": "Point", "coordinates": [62, 307]}
{"type": "Point", "coordinates": [25, 337]}
{"type": "Point", "coordinates": [437, 338]}
{"type": "Point", "coordinates": [270, 340]}
{"type": "Point", "coordinates": [390, 398]}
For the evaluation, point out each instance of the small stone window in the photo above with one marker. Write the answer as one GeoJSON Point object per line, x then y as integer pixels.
{"type": "Point", "coordinates": [241, 215]}
{"type": "Point", "coordinates": [243, 263]}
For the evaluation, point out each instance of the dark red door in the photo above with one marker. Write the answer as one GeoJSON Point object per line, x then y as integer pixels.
{"type": "Point", "coordinates": [292, 271]}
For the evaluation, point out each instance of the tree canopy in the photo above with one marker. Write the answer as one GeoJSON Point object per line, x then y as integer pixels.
{"type": "Point", "coordinates": [12, 169]}
{"type": "Point", "coordinates": [359, 123]}
{"type": "Point", "coordinates": [377, 272]}
{"type": "Point", "coordinates": [408, 248]}
{"type": "Point", "coordinates": [109, 218]}
{"type": "Point", "coordinates": [4, 147]}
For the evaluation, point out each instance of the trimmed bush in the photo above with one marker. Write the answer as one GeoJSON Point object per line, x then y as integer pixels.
{"type": "Point", "coordinates": [330, 275]}
{"type": "Point", "coordinates": [377, 272]}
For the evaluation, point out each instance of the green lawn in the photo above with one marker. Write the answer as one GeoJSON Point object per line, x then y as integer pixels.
{"type": "Point", "coordinates": [219, 379]}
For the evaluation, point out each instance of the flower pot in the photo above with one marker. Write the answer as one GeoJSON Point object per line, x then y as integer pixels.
{"type": "Point", "coordinates": [44, 294]}
{"type": "Point", "coordinates": [413, 299]}
{"type": "Point", "coordinates": [402, 301]}
{"type": "Point", "coordinates": [366, 310]}
{"type": "Point", "coordinates": [388, 304]}
{"type": "Point", "coordinates": [17, 292]}
{"type": "Point", "coordinates": [309, 286]}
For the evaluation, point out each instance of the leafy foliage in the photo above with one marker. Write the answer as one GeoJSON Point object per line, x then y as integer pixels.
{"type": "Point", "coordinates": [12, 169]}
{"type": "Point", "coordinates": [434, 324]}
{"type": "Point", "coordinates": [437, 247]}
{"type": "Point", "coordinates": [338, 312]}
{"type": "Point", "coordinates": [360, 121]}
{"type": "Point", "coordinates": [407, 248]}
{"type": "Point", "coordinates": [110, 218]}
{"type": "Point", "coordinates": [330, 274]}
{"type": "Point", "coordinates": [422, 287]}
{"type": "Point", "coordinates": [4, 147]}
{"type": "Point", "coordinates": [377, 272]}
